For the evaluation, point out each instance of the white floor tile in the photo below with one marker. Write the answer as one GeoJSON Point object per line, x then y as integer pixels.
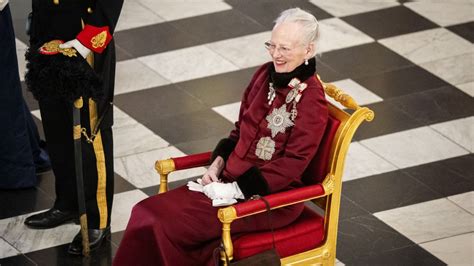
{"type": "Point", "coordinates": [139, 169]}
{"type": "Point", "coordinates": [444, 13]}
{"type": "Point", "coordinates": [122, 209]}
{"type": "Point", "coordinates": [467, 88]}
{"type": "Point", "coordinates": [413, 147]}
{"type": "Point", "coordinates": [465, 201]}
{"type": "Point", "coordinates": [189, 63]}
{"type": "Point", "coordinates": [134, 15]}
{"type": "Point", "coordinates": [455, 70]}
{"type": "Point", "coordinates": [132, 75]}
{"type": "Point", "coordinates": [20, 55]}
{"type": "Point", "coordinates": [429, 220]}
{"type": "Point", "coordinates": [36, 113]}
{"type": "Point", "coordinates": [135, 138]}
{"type": "Point", "coordinates": [26, 240]}
{"type": "Point", "coordinates": [172, 10]}
{"type": "Point", "coordinates": [429, 45]}
{"type": "Point", "coordinates": [229, 111]}
{"type": "Point", "coordinates": [456, 250]}
{"type": "Point", "coordinates": [6, 250]}
{"type": "Point", "coordinates": [121, 119]}
{"type": "Point", "coordinates": [341, 8]}
{"type": "Point", "coordinates": [255, 52]}
{"type": "Point", "coordinates": [337, 34]}
{"type": "Point", "coordinates": [360, 94]}
{"type": "Point", "coordinates": [361, 162]}
{"type": "Point", "coordinates": [460, 131]}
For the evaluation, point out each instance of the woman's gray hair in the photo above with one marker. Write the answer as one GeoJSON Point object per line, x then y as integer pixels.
{"type": "Point", "coordinates": [309, 24]}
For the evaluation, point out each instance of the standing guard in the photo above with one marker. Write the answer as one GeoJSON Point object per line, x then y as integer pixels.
{"type": "Point", "coordinates": [72, 55]}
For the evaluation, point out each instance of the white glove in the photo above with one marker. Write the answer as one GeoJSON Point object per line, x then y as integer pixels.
{"type": "Point", "coordinates": [223, 202]}
{"type": "Point", "coordinates": [195, 185]}
{"type": "Point", "coordinates": [213, 172]}
{"type": "Point", "coordinates": [217, 190]}
{"type": "Point", "coordinates": [81, 49]}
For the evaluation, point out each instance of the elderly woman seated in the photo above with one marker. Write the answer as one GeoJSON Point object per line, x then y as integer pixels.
{"type": "Point", "coordinates": [281, 122]}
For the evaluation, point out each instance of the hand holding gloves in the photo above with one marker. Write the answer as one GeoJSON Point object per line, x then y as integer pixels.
{"type": "Point", "coordinates": [213, 172]}
{"type": "Point", "coordinates": [221, 194]}
{"type": "Point", "coordinates": [217, 190]}
{"type": "Point", "coordinates": [80, 48]}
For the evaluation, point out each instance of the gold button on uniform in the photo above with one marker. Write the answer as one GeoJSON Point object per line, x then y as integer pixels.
{"type": "Point", "coordinates": [89, 10]}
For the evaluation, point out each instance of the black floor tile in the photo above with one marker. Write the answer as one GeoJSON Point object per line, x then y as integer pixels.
{"type": "Point", "coordinates": [412, 255]}
{"type": "Point", "coordinates": [58, 256]}
{"type": "Point", "coordinates": [198, 146]}
{"type": "Point", "coordinates": [116, 238]}
{"type": "Point", "coordinates": [266, 11]}
{"type": "Point", "coordinates": [121, 54]}
{"type": "Point", "coordinates": [364, 60]}
{"type": "Point", "coordinates": [350, 209]}
{"type": "Point", "coordinates": [189, 127]}
{"type": "Point", "coordinates": [441, 178]}
{"type": "Point", "coordinates": [389, 22]}
{"type": "Point", "coordinates": [367, 236]}
{"type": "Point", "coordinates": [438, 105]}
{"type": "Point", "coordinates": [463, 165]}
{"type": "Point", "coordinates": [121, 185]}
{"type": "Point", "coordinates": [19, 260]}
{"type": "Point", "coordinates": [153, 190]}
{"type": "Point", "coordinates": [465, 30]}
{"type": "Point", "coordinates": [29, 99]}
{"type": "Point", "coordinates": [46, 183]}
{"type": "Point", "coordinates": [218, 26]}
{"type": "Point", "coordinates": [326, 73]}
{"type": "Point", "coordinates": [21, 201]}
{"type": "Point", "coordinates": [148, 106]}
{"type": "Point", "coordinates": [219, 89]}
{"type": "Point", "coordinates": [388, 119]}
{"type": "Point", "coordinates": [159, 38]}
{"type": "Point", "coordinates": [19, 11]}
{"type": "Point", "coordinates": [401, 82]}
{"type": "Point", "coordinates": [387, 191]}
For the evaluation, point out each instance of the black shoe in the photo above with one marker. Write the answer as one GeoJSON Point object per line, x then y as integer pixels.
{"type": "Point", "coordinates": [96, 238]}
{"type": "Point", "coordinates": [50, 219]}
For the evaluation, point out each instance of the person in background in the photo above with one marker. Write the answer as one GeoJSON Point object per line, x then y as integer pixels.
{"type": "Point", "coordinates": [22, 153]}
{"type": "Point", "coordinates": [282, 119]}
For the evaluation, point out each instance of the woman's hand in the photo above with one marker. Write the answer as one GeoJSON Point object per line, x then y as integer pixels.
{"type": "Point", "coordinates": [213, 172]}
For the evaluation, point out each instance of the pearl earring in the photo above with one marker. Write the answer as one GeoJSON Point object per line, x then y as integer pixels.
{"type": "Point", "coordinates": [306, 62]}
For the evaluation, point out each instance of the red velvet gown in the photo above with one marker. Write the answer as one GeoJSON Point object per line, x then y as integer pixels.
{"type": "Point", "coordinates": [180, 227]}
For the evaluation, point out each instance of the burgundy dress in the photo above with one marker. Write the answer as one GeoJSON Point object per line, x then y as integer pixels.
{"type": "Point", "coordinates": [180, 227]}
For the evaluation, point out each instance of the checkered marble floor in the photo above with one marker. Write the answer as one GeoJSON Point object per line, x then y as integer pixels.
{"type": "Point", "coordinates": [182, 66]}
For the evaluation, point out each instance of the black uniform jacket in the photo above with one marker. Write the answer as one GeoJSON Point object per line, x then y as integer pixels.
{"type": "Point", "coordinates": [92, 22]}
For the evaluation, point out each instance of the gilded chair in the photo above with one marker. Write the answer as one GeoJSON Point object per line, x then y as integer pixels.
{"type": "Point", "coordinates": [311, 239]}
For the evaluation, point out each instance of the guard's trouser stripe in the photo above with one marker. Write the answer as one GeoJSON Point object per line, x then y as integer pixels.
{"type": "Point", "coordinates": [100, 164]}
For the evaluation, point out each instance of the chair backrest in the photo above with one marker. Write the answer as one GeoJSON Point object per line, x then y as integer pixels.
{"type": "Point", "coordinates": [318, 167]}
{"type": "Point", "coordinates": [337, 137]}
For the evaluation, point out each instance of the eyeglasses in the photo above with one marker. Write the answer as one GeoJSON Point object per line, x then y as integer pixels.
{"type": "Point", "coordinates": [283, 50]}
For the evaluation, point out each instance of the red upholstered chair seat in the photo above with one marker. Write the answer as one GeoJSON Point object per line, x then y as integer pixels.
{"type": "Point", "coordinates": [307, 231]}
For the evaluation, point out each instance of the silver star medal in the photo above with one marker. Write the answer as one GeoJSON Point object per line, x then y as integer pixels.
{"type": "Point", "coordinates": [265, 148]}
{"type": "Point", "coordinates": [279, 120]}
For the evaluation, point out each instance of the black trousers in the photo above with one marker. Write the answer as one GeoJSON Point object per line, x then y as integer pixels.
{"type": "Point", "coordinates": [97, 161]}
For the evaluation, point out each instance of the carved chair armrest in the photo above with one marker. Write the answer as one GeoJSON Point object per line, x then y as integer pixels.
{"type": "Point", "coordinates": [164, 167]}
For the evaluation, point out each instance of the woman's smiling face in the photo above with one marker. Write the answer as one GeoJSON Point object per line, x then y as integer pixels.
{"type": "Point", "coordinates": [286, 47]}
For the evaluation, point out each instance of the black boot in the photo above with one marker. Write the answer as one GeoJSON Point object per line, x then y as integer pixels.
{"type": "Point", "coordinates": [96, 238]}
{"type": "Point", "coordinates": [50, 218]}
